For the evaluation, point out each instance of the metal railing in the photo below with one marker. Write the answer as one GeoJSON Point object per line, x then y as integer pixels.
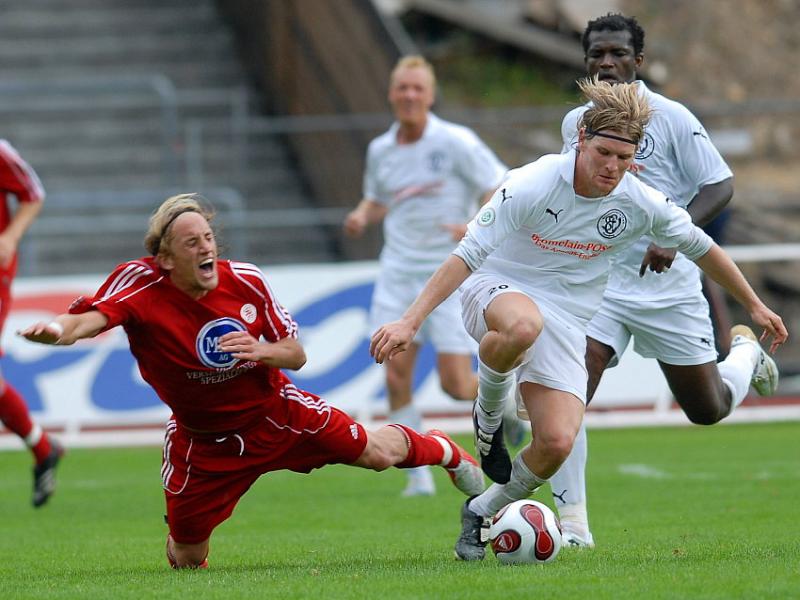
{"type": "Point", "coordinates": [75, 94]}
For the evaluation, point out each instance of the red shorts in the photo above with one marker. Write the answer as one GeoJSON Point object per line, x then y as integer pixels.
{"type": "Point", "coordinates": [204, 476]}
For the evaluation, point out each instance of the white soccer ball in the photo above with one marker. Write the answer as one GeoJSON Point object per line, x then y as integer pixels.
{"type": "Point", "coordinates": [525, 532]}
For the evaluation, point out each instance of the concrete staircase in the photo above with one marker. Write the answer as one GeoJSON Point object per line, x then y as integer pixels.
{"type": "Point", "coordinates": [105, 96]}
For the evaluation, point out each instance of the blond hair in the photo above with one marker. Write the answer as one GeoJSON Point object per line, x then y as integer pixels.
{"type": "Point", "coordinates": [414, 61]}
{"type": "Point", "coordinates": [158, 234]}
{"type": "Point", "coordinates": [615, 107]}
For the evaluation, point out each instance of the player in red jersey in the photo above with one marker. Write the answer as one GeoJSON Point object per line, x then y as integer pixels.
{"type": "Point", "coordinates": [17, 178]}
{"type": "Point", "coordinates": [211, 338]}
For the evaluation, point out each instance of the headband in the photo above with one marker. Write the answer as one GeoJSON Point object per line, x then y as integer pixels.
{"type": "Point", "coordinates": [168, 223]}
{"type": "Point", "coordinates": [611, 136]}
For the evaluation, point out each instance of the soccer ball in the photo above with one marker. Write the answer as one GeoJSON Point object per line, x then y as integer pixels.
{"type": "Point", "coordinates": [525, 532]}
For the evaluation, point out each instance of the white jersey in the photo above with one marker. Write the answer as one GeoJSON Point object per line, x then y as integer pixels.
{"type": "Point", "coordinates": [434, 181]}
{"type": "Point", "coordinates": [556, 245]}
{"type": "Point", "coordinates": [677, 158]}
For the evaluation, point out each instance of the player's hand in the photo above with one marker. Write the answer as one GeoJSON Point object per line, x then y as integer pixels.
{"type": "Point", "coordinates": [42, 333]}
{"type": "Point", "coordinates": [456, 230]}
{"type": "Point", "coordinates": [391, 339]}
{"type": "Point", "coordinates": [657, 259]}
{"type": "Point", "coordinates": [242, 346]}
{"type": "Point", "coordinates": [772, 325]}
{"type": "Point", "coordinates": [355, 223]}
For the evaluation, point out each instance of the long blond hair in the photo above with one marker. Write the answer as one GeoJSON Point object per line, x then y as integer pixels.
{"type": "Point", "coordinates": [158, 231]}
{"type": "Point", "coordinates": [615, 107]}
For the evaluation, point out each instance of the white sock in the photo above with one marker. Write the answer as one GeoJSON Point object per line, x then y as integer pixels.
{"type": "Point", "coordinates": [34, 436]}
{"type": "Point", "coordinates": [568, 485]}
{"type": "Point", "coordinates": [408, 416]}
{"type": "Point", "coordinates": [493, 388]}
{"type": "Point", "coordinates": [737, 369]}
{"type": "Point", "coordinates": [522, 484]}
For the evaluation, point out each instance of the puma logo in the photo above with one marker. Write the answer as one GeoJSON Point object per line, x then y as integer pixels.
{"type": "Point", "coordinates": [504, 198]}
{"type": "Point", "coordinates": [549, 211]}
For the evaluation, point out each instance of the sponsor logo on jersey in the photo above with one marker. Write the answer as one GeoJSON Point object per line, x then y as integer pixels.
{"type": "Point", "coordinates": [249, 313]}
{"type": "Point", "coordinates": [207, 342]}
{"type": "Point", "coordinates": [646, 147]}
{"type": "Point", "coordinates": [583, 250]}
{"type": "Point", "coordinates": [612, 223]}
{"type": "Point", "coordinates": [436, 160]}
{"type": "Point", "coordinates": [550, 211]}
{"type": "Point", "coordinates": [486, 217]}
{"type": "Point", "coordinates": [354, 431]}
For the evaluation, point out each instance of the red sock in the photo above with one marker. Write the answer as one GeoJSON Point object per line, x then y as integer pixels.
{"type": "Point", "coordinates": [15, 416]}
{"type": "Point", "coordinates": [423, 449]}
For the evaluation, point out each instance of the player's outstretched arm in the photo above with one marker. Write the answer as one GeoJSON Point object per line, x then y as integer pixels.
{"type": "Point", "coordinates": [719, 266]}
{"type": "Point", "coordinates": [395, 337]}
{"type": "Point", "coordinates": [66, 329]}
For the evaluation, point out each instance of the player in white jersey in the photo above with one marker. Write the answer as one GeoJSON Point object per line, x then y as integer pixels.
{"type": "Point", "coordinates": [424, 179]}
{"type": "Point", "coordinates": [666, 315]}
{"type": "Point", "coordinates": [534, 265]}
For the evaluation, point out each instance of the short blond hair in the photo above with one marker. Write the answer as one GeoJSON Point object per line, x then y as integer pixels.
{"type": "Point", "coordinates": [158, 234]}
{"type": "Point", "coordinates": [414, 61]}
{"type": "Point", "coordinates": [615, 107]}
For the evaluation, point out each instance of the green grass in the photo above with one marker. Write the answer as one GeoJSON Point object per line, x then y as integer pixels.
{"type": "Point", "coordinates": [715, 515]}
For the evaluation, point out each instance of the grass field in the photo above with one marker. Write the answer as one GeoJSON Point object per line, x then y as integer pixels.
{"type": "Point", "coordinates": [676, 513]}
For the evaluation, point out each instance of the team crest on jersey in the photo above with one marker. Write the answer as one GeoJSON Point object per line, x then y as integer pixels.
{"type": "Point", "coordinates": [612, 223]}
{"type": "Point", "coordinates": [646, 147]}
{"type": "Point", "coordinates": [207, 342]}
{"type": "Point", "coordinates": [486, 217]}
{"type": "Point", "coordinates": [436, 160]}
{"type": "Point", "coordinates": [249, 313]}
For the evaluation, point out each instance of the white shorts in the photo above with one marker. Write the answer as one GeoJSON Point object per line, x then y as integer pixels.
{"type": "Point", "coordinates": [394, 293]}
{"type": "Point", "coordinates": [558, 357]}
{"type": "Point", "coordinates": [679, 334]}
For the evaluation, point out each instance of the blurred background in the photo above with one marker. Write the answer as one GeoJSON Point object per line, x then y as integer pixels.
{"type": "Point", "coordinates": [267, 106]}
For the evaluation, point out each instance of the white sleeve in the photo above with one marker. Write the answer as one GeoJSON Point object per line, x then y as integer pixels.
{"type": "Point", "coordinates": [698, 158]}
{"type": "Point", "coordinates": [505, 213]}
{"type": "Point", "coordinates": [673, 228]}
{"type": "Point", "coordinates": [477, 164]}
{"type": "Point", "coordinates": [371, 187]}
{"type": "Point", "coordinates": [569, 129]}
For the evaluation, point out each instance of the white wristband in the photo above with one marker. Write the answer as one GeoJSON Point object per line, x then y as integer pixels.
{"type": "Point", "coordinates": [58, 327]}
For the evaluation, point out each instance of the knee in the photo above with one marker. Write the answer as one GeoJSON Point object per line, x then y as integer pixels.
{"type": "Point", "coordinates": [555, 444]}
{"type": "Point", "coordinates": [705, 409]}
{"type": "Point", "coordinates": [705, 415]}
{"type": "Point", "coordinates": [460, 388]}
{"type": "Point", "coordinates": [397, 379]}
{"type": "Point", "coordinates": [523, 333]}
{"type": "Point", "coordinates": [187, 556]}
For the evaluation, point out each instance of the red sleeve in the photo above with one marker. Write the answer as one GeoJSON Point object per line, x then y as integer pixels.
{"type": "Point", "coordinates": [17, 177]}
{"type": "Point", "coordinates": [116, 298]}
{"type": "Point", "coordinates": [279, 323]}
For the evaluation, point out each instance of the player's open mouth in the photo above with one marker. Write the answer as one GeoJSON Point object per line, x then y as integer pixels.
{"type": "Point", "coordinates": [207, 266]}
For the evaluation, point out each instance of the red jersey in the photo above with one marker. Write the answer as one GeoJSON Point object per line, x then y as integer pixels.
{"type": "Point", "coordinates": [19, 179]}
{"type": "Point", "coordinates": [175, 340]}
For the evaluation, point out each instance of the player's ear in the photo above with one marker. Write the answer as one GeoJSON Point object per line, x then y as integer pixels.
{"type": "Point", "coordinates": [165, 261]}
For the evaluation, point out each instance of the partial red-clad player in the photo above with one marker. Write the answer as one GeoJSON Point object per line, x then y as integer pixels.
{"type": "Point", "coordinates": [210, 338]}
{"type": "Point", "coordinates": [18, 179]}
